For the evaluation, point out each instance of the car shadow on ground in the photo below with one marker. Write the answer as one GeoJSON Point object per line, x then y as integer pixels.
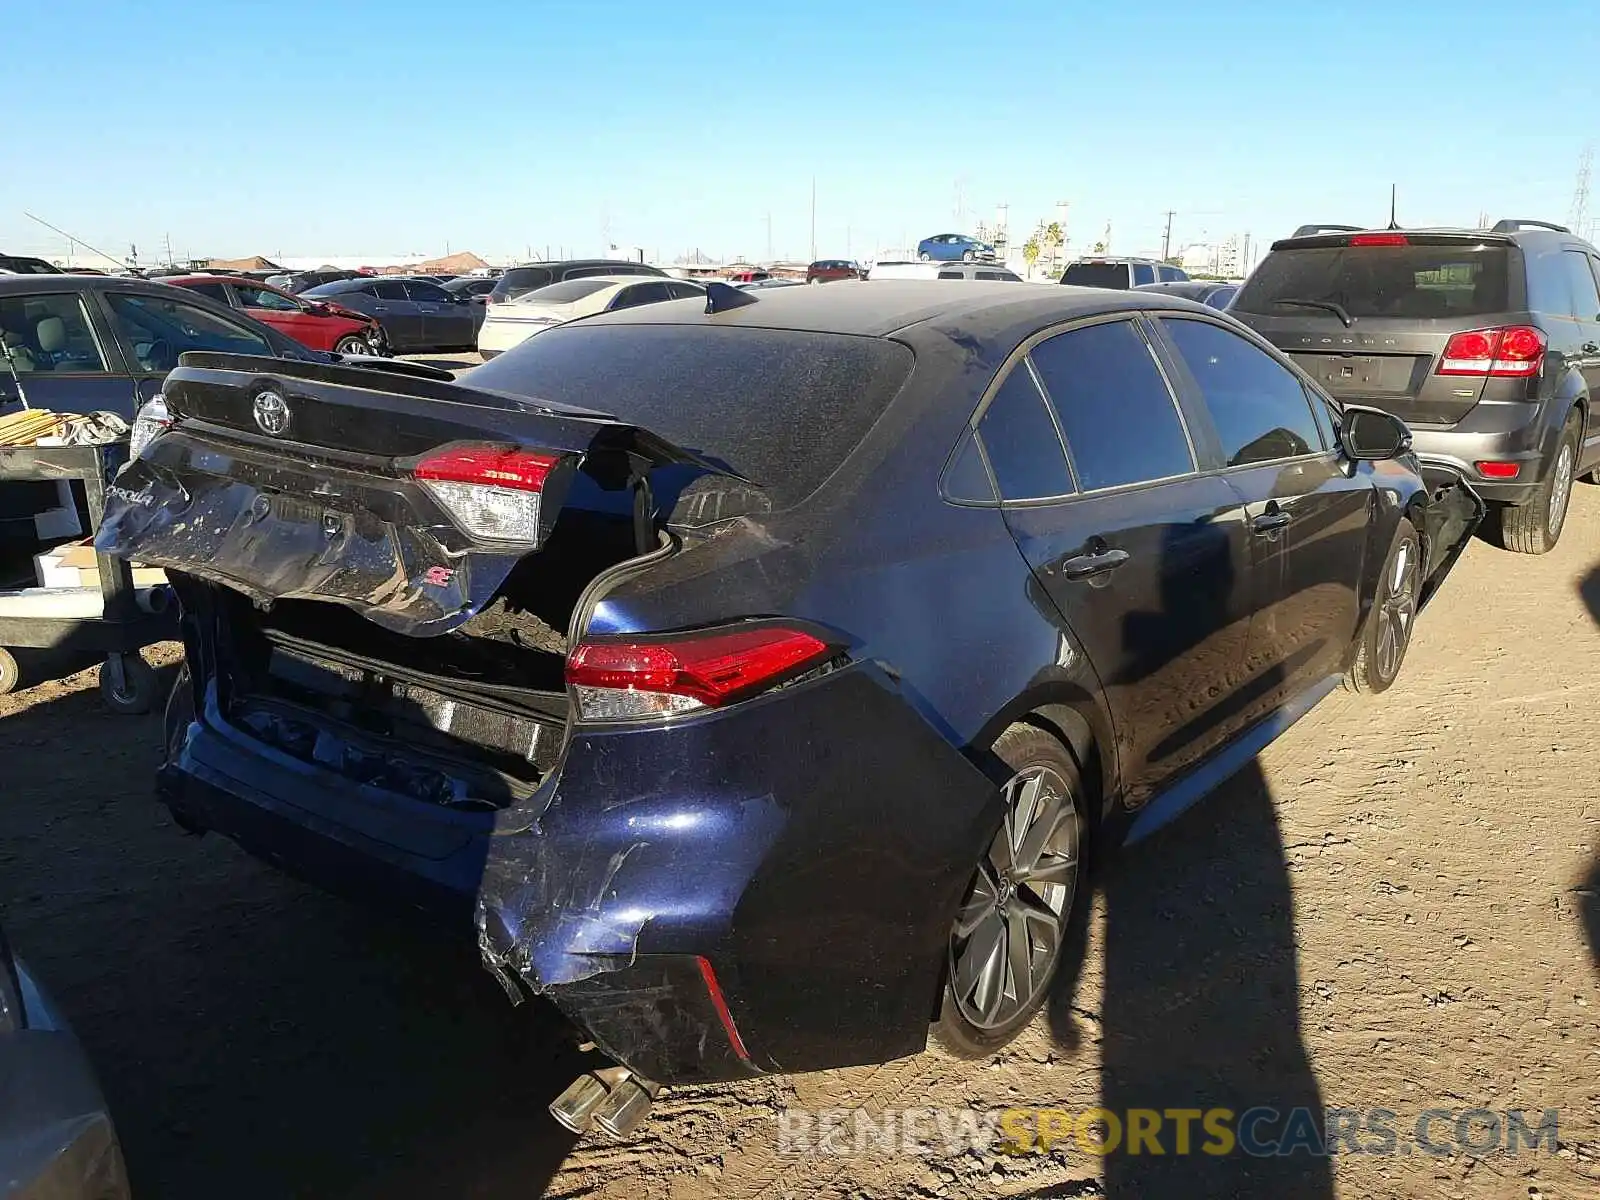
{"type": "Point", "coordinates": [1200, 1009]}
{"type": "Point", "coordinates": [1588, 892]}
{"type": "Point", "coordinates": [257, 1037]}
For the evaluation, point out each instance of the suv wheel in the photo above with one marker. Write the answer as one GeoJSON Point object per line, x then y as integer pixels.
{"type": "Point", "coordinates": [1011, 930]}
{"type": "Point", "coordinates": [1535, 527]}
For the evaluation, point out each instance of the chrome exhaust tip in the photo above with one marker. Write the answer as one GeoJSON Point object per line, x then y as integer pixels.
{"type": "Point", "coordinates": [575, 1107]}
{"type": "Point", "coordinates": [625, 1109]}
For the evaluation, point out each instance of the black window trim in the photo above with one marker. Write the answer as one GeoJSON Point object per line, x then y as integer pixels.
{"type": "Point", "coordinates": [1197, 398]}
{"type": "Point", "coordinates": [1021, 355]}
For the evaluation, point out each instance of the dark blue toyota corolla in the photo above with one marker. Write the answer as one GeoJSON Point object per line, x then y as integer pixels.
{"type": "Point", "coordinates": [759, 670]}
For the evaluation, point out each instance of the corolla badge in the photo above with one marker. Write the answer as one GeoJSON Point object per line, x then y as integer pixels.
{"type": "Point", "coordinates": [272, 413]}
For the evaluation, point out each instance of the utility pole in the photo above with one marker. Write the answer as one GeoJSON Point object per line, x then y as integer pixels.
{"type": "Point", "coordinates": [813, 218]}
{"type": "Point", "coordinates": [1166, 237]}
{"type": "Point", "coordinates": [1580, 193]}
{"type": "Point", "coordinates": [769, 235]}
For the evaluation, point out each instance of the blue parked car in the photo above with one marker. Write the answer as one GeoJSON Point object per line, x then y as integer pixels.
{"type": "Point", "coordinates": [953, 247]}
{"type": "Point", "coordinates": [756, 671]}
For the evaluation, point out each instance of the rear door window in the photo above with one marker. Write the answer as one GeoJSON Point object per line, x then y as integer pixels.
{"type": "Point", "coordinates": [389, 289]}
{"type": "Point", "coordinates": [1411, 281]}
{"type": "Point", "coordinates": [1119, 417]}
{"type": "Point", "coordinates": [967, 478]}
{"type": "Point", "coordinates": [49, 333]}
{"type": "Point", "coordinates": [424, 292]}
{"type": "Point", "coordinates": [1143, 273]}
{"type": "Point", "coordinates": [1022, 443]}
{"type": "Point", "coordinates": [262, 298]}
{"type": "Point", "coordinates": [1581, 286]}
{"type": "Point", "coordinates": [211, 291]}
{"type": "Point", "coordinates": [1259, 407]}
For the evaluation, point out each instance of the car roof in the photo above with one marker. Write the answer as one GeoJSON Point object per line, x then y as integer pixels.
{"type": "Point", "coordinates": [65, 282]}
{"type": "Point", "coordinates": [206, 277]}
{"type": "Point", "coordinates": [875, 308]}
{"type": "Point", "coordinates": [565, 263]}
{"type": "Point", "coordinates": [1122, 258]}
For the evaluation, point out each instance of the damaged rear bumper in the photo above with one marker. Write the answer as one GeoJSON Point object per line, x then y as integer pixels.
{"type": "Point", "coordinates": [765, 888]}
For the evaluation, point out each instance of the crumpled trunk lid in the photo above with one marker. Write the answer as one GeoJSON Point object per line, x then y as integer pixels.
{"type": "Point", "coordinates": [294, 481]}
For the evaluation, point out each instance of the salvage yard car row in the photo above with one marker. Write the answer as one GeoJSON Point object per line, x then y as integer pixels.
{"type": "Point", "coordinates": [500, 645]}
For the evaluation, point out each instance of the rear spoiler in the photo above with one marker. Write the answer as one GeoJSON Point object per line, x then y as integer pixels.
{"type": "Point", "coordinates": [1399, 237]}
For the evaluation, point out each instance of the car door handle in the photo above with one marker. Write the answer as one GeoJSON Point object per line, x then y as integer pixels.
{"type": "Point", "coordinates": [380, 308]}
{"type": "Point", "coordinates": [1269, 522]}
{"type": "Point", "coordinates": [1090, 566]}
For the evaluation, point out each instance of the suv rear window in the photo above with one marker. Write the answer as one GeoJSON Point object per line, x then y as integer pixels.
{"type": "Point", "coordinates": [520, 279]}
{"type": "Point", "coordinates": [1416, 282]}
{"type": "Point", "coordinates": [782, 407]}
{"type": "Point", "coordinates": [1100, 275]}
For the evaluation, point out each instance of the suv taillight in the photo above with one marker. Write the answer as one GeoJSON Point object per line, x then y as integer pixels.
{"type": "Point", "coordinates": [629, 679]}
{"type": "Point", "coordinates": [1513, 351]}
{"type": "Point", "coordinates": [492, 493]}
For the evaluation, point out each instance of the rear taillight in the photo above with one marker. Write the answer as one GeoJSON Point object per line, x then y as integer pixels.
{"type": "Point", "coordinates": [1513, 351]}
{"type": "Point", "coordinates": [633, 678]}
{"type": "Point", "coordinates": [149, 422]}
{"type": "Point", "coordinates": [1380, 239]}
{"type": "Point", "coordinates": [1499, 470]}
{"type": "Point", "coordinates": [493, 494]}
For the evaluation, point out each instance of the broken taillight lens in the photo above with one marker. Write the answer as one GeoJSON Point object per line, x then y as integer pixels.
{"type": "Point", "coordinates": [635, 678]}
{"type": "Point", "coordinates": [492, 493]}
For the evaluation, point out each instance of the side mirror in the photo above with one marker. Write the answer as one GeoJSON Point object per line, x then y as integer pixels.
{"type": "Point", "coordinates": [1372, 435]}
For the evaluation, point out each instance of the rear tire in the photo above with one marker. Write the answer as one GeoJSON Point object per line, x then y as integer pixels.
{"type": "Point", "coordinates": [352, 345]}
{"type": "Point", "coordinates": [925, 256]}
{"type": "Point", "coordinates": [967, 256]}
{"type": "Point", "coordinates": [1018, 907]}
{"type": "Point", "coordinates": [10, 673]}
{"type": "Point", "coordinates": [1387, 635]}
{"type": "Point", "coordinates": [1535, 527]}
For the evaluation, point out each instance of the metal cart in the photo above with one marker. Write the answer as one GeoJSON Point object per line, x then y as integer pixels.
{"type": "Point", "coordinates": [109, 620]}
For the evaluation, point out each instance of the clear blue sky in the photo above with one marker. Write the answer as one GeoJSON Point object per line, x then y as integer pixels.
{"type": "Point", "coordinates": [358, 127]}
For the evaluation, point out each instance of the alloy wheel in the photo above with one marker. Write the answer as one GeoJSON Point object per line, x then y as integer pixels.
{"type": "Point", "coordinates": [1397, 608]}
{"type": "Point", "coordinates": [1009, 932]}
{"type": "Point", "coordinates": [1560, 491]}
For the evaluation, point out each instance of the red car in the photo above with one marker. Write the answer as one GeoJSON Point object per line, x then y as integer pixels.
{"type": "Point", "coordinates": [750, 275]}
{"type": "Point", "coordinates": [317, 324]}
{"type": "Point", "coordinates": [827, 270]}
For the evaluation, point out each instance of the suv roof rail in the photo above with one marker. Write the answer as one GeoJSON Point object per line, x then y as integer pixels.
{"type": "Point", "coordinates": [1309, 230]}
{"type": "Point", "coordinates": [1512, 224]}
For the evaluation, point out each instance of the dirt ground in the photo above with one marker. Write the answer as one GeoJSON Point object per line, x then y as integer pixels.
{"type": "Point", "coordinates": [1398, 907]}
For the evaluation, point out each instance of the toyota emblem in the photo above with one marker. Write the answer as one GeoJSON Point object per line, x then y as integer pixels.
{"type": "Point", "coordinates": [272, 413]}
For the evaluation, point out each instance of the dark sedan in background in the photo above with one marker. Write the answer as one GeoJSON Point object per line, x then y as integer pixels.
{"type": "Point", "coordinates": [475, 288]}
{"type": "Point", "coordinates": [417, 315]}
{"type": "Point", "coordinates": [758, 669]}
{"type": "Point", "coordinates": [1213, 293]}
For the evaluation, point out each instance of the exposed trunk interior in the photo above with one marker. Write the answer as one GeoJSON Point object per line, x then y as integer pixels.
{"type": "Point", "coordinates": [472, 719]}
